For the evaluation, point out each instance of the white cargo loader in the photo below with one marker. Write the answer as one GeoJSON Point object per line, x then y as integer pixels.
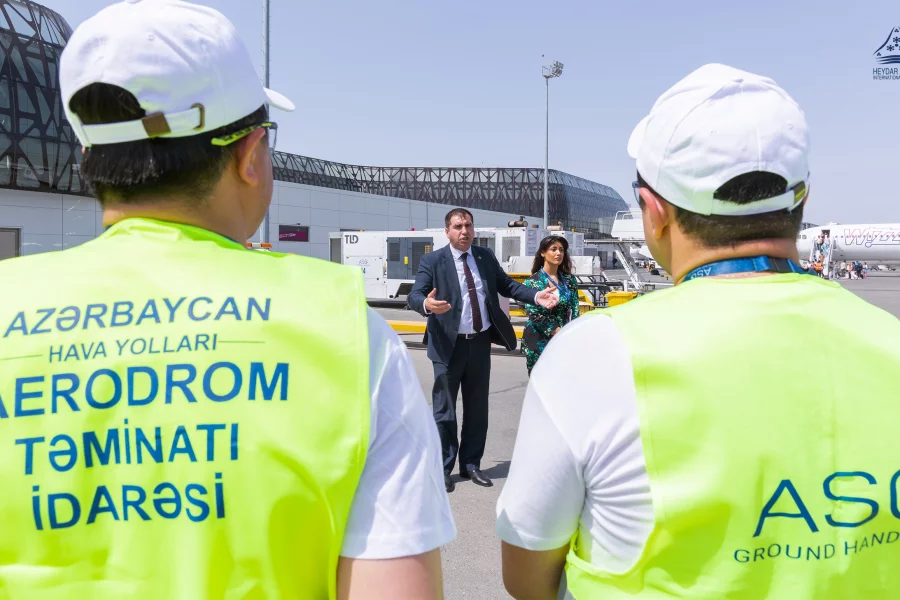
{"type": "Point", "coordinates": [389, 260]}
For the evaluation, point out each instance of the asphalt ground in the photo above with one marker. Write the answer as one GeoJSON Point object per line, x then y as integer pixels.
{"type": "Point", "coordinates": [472, 562]}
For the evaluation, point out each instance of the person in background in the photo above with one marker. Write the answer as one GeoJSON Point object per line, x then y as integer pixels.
{"type": "Point", "coordinates": [817, 266]}
{"type": "Point", "coordinates": [458, 288]}
{"type": "Point", "coordinates": [820, 244]}
{"type": "Point", "coordinates": [552, 269]}
{"type": "Point", "coordinates": [865, 269]}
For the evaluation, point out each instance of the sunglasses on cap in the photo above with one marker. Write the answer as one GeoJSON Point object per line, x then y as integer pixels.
{"type": "Point", "coordinates": [271, 133]}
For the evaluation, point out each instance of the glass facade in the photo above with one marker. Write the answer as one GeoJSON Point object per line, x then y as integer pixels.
{"type": "Point", "coordinates": [577, 202]}
{"type": "Point", "coordinates": [39, 150]}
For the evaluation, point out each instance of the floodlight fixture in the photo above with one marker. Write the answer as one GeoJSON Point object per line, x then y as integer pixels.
{"type": "Point", "coordinates": [554, 69]}
{"type": "Point", "coordinates": [550, 71]}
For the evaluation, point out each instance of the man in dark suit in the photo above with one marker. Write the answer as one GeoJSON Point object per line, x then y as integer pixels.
{"type": "Point", "coordinates": [456, 288]}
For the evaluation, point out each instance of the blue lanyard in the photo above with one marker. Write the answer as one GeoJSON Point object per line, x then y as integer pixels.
{"type": "Point", "coordinates": [755, 264]}
{"type": "Point", "coordinates": [563, 288]}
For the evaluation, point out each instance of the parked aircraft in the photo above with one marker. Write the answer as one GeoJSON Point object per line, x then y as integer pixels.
{"type": "Point", "coordinates": [866, 242]}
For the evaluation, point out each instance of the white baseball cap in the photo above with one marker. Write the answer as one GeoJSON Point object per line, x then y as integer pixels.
{"type": "Point", "coordinates": [183, 62]}
{"type": "Point", "coordinates": [715, 124]}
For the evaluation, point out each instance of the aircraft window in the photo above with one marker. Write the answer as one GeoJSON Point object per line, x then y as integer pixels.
{"type": "Point", "coordinates": [802, 237]}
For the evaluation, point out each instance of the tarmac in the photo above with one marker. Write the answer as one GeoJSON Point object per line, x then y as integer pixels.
{"type": "Point", "coordinates": [471, 563]}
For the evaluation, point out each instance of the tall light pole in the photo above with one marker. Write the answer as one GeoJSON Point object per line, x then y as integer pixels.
{"type": "Point", "coordinates": [264, 237]}
{"type": "Point", "coordinates": [550, 71]}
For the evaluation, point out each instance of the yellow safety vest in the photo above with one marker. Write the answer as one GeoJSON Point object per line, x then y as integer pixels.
{"type": "Point", "coordinates": [180, 418]}
{"type": "Point", "coordinates": [768, 415]}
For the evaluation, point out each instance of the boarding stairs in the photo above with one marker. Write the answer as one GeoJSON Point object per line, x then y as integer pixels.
{"type": "Point", "coordinates": [621, 249]}
{"type": "Point", "coordinates": [827, 258]}
{"type": "Point", "coordinates": [627, 232]}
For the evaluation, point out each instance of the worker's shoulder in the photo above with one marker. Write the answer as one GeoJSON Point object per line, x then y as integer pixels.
{"type": "Point", "coordinates": [33, 265]}
{"type": "Point", "coordinates": [593, 327]}
{"type": "Point", "coordinates": [592, 343]}
{"type": "Point", "coordinates": [643, 303]}
{"type": "Point", "coordinates": [287, 261]}
{"type": "Point", "coordinates": [858, 309]}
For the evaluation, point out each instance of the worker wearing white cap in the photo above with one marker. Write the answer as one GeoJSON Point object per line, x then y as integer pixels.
{"type": "Point", "coordinates": [686, 453]}
{"type": "Point", "coordinates": [181, 417]}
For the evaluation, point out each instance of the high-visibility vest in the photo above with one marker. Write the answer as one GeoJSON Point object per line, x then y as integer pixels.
{"type": "Point", "coordinates": [768, 480]}
{"type": "Point", "coordinates": [180, 418]}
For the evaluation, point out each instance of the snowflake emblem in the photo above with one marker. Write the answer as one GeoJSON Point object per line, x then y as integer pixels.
{"type": "Point", "coordinates": [890, 48]}
{"type": "Point", "coordinates": [897, 40]}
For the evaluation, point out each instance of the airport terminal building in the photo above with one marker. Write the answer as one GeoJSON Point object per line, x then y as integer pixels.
{"type": "Point", "coordinates": [45, 206]}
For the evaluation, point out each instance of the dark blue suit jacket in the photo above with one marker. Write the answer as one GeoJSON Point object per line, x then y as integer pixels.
{"type": "Point", "coordinates": [436, 270]}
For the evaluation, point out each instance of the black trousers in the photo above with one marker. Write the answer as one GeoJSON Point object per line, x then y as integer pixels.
{"type": "Point", "coordinates": [469, 368]}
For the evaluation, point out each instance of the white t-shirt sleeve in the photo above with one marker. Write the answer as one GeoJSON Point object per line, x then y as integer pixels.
{"type": "Point", "coordinates": [543, 495]}
{"type": "Point", "coordinates": [579, 463]}
{"type": "Point", "coordinates": [400, 507]}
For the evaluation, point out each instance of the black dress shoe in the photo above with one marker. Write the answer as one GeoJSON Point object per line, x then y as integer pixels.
{"type": "Point", "coordinates": [477, 477]}
{"type": "Point", "coordinates": [448, 483]}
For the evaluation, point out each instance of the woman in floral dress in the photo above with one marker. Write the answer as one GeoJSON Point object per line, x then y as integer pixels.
{"type": "Point", "coordinates": [552, 268]}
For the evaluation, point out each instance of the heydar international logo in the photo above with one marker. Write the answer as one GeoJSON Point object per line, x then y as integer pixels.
{"type": "Point", "coordinates": [888, 54]}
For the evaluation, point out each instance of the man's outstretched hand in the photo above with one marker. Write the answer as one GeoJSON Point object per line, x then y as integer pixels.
{"type": "Point", "coordinates": [546, 298]}
{"type": "Point", "coordinates": [437, 307]}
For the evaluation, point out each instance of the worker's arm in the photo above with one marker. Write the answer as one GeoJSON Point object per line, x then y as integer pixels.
{"type": "Point", "coordinates": [412, 577]}
{"type": "Point", "coordinates": [540, 506]}
{"type": "Point", "coordinates": [400, 516]}
{"type": "Point", "coordinates": [533, 574]}
{"type": "Point", "coordinates": [578, 453]}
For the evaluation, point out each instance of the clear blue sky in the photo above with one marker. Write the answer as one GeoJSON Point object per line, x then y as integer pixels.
{"type": "Point", "coordinates": [407, 82]}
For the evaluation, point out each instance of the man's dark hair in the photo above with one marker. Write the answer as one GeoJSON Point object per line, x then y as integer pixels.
{"type": "Point", "coordinates": [457, 212]}
{"type": "Point", "coordinates": [126, 172]}
{"type": "Point", "coordinates": [717, 231]}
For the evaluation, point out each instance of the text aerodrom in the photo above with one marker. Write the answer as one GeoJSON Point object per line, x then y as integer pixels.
{"type": "Point", "coordinates": [201, 447]}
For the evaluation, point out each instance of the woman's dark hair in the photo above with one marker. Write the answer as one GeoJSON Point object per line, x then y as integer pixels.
{"type": "Point", "coordinates": [566, 267]}
{"type": "Point", "coordinates": [189, 166]}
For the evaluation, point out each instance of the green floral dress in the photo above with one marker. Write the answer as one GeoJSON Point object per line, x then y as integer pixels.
{"type": "Point", "coordinates": [541, 321]}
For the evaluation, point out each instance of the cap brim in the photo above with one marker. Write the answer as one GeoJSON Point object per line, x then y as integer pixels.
{"type": "Point", "coordinates": [637, 138]}
{"type": "Point", "coordinates": [279, 101]}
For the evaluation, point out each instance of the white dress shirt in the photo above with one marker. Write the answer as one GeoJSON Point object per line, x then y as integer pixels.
{"type": "Point", "coordinates": [465, 320]}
